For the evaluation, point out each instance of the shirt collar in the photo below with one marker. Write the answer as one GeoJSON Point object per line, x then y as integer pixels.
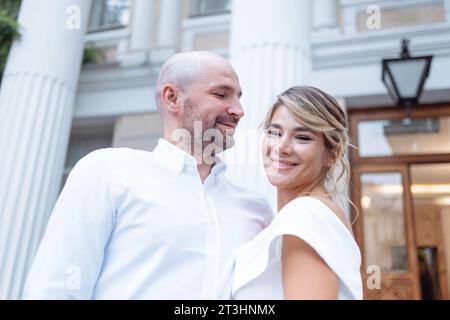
{"type": "Point", "coordinates": [177, 160]}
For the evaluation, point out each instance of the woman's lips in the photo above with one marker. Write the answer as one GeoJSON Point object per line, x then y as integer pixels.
{"type": "Point", "coordinates": [282, 164]}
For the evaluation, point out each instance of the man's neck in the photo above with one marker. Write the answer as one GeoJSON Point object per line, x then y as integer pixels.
{"type": "Point", "coordinates": [204, 170]}
{"type": "Point", "coordinates": [204, 162]}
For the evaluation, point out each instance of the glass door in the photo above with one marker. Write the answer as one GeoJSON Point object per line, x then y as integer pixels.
{"type": "Point", "coordinates": [384, 231]}
{"type": "Point", "coordinates": [401, 185]}
{"type": "Point", "coordinates": [430, 190]}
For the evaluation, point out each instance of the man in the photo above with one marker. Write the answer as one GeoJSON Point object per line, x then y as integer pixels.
{"type": "Point", "coordinates": [131, 224]}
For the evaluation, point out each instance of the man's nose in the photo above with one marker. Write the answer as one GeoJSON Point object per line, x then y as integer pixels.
{"type": "Point", "coordinates": [236, 109]}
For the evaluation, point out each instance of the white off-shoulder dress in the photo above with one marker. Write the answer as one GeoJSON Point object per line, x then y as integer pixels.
{"type": "Point", "coordinates": [258, 272]}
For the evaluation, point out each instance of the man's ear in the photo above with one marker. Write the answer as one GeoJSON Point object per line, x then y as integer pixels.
{"type": "Point", "coordinates": [171, 98]}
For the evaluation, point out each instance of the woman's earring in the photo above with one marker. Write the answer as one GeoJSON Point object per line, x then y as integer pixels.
{"type": "Point", "coordinates": [328, 175]}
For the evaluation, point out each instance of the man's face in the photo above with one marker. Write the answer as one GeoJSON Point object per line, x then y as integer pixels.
{"type": "Point", "coordinates": [212, 106]}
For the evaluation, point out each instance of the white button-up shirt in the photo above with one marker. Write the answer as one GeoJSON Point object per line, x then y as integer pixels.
{"type": "Point", "coordinates": [132, 224]}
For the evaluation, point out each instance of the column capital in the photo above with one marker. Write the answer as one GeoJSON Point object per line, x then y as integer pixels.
{"type": "Point", "coordinates": [276, 22]}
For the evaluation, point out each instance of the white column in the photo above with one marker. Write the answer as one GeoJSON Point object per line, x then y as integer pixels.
{"type": "Point", "coordinates": [325, 15]}
{"type": "Point", "coordinates": [169, 28]}
{"type": "Point", "coordinates": [36, 101]}
{"type": "Point", "coordinates": [141, 33]}
{"type": "Point", "coordinates": [447, 15]}
{"type": "Point", "coordinates": [349, 14]}
{"type": "Point", "coordinates": [270, 50]}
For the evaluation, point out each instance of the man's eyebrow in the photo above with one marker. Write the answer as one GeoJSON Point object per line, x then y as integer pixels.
{"type": "Point", "coordinates": [300, 129]}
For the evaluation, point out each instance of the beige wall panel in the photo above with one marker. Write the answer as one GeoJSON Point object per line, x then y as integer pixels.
{"type": "Point", "coordinates": [211, 41]}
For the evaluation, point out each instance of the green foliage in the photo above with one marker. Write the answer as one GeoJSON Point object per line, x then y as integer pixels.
{"type": "Point", "coordinates": [9, 28]}
{"type": "Point", "coordinates": [93, 54]}
{"type": "Point", "coordinates": [11, 7]}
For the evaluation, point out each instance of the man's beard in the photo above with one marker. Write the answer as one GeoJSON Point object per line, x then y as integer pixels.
{"type": "Point", "coordinates": [212, 138]}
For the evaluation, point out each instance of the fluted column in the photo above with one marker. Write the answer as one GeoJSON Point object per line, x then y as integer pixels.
{"type": "Point", "coordinates": [36, 104]}
{"type": "Point", "coordinates": [270, 54]}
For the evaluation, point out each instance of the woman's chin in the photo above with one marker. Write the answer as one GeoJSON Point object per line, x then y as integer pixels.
{"type": "Point", "coordinates": [276, 180]}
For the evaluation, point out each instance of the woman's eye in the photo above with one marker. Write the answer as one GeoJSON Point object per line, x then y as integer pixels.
{"type": "Point", "coordinates": [273, 133]}
{"type": "Point", "coordinates": [303, 138]}
{"type": "Point", "coordinates": [220, 95]}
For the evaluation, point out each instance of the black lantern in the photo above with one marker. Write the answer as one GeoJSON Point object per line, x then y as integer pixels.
{"type": "Point", "coordinates": [405, 77]}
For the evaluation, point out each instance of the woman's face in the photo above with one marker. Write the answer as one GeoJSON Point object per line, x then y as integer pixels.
{"type": "Point", "coordinates": [293, 155]}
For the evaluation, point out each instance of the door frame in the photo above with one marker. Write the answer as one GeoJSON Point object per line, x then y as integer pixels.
{"type": "Point", "coordinates": [412, 273]}
{"type": "Point", "coordinates": [397, 163]}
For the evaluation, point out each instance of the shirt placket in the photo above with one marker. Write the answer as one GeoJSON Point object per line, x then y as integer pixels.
{"type": "Point", "coordinates": [213, 247]}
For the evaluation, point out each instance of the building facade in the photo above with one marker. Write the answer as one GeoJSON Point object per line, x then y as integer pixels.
{"type": "Point", "coordinates": [400, 172]}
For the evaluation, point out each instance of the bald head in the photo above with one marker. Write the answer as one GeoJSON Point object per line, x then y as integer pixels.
{"type": "Point", "coordinates": [183, 68]}
{"type": "Point", "coordinates": [198, 91]}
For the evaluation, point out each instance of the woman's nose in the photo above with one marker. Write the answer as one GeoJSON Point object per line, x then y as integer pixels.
{"type": "Point", "coordinates": [283, 146]}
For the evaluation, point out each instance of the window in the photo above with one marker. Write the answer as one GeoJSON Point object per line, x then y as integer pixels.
{"type": "Point", "coordinates": [396, 137]}
{"type": "Point", "coordinates": [108, 14]}
{"type": "Point", "coordinates": [207, 7]}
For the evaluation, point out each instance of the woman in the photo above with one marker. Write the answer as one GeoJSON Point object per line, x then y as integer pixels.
{"type": "Point", "coordinates": [308, 251]}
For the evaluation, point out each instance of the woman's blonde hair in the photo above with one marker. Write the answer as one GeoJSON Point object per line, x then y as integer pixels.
{"type": "Point", "coordinates": [321, 113]}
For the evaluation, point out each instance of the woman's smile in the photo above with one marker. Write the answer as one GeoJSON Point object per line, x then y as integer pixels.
{"type": "Point", "coordinates": [280, 164]}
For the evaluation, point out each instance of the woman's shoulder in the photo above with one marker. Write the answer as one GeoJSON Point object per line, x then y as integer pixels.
{"type": "Point", "coordinates": [315, 223]}
{"type": "Point", "coordinates": [313, 210]}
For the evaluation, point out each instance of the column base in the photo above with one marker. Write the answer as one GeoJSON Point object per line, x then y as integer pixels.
{"type": "Point", "coordinates": [327, 32]}
{"type": "Point", "coordinates": [134, 58]}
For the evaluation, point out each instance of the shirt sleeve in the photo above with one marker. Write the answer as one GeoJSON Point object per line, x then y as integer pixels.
{"type": "Point", "coordinates": [70, 255]}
